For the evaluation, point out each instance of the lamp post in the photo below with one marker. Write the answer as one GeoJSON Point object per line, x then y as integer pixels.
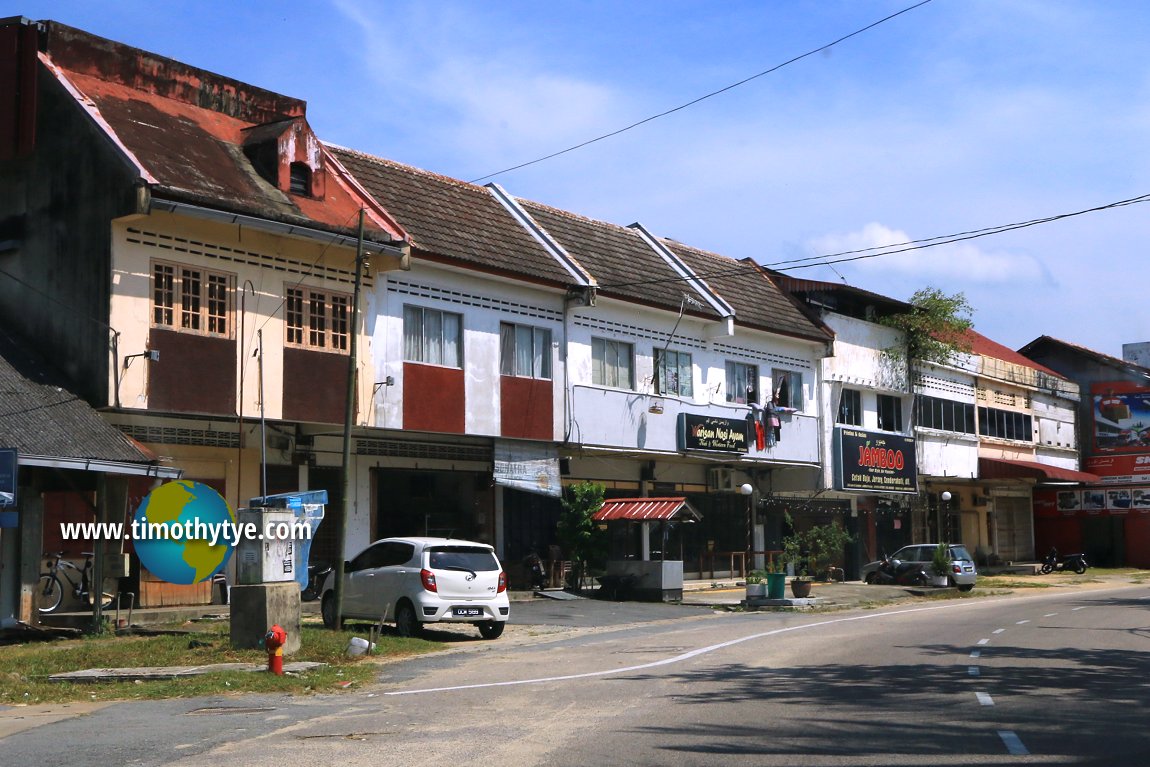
{"type": "Point", "coordinates": [943, 511]}
{"type": "Point", "coordinates": [748, 490]}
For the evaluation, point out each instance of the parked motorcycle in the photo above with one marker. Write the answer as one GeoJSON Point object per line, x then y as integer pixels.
{"type": "Point", "coordinates": [1054, 563]}
{"type": "Point", "coordinates": [316, 575]}
{"type": "Point", "coordinates": [898, 573]}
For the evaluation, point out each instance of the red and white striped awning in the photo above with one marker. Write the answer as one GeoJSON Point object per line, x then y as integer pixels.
{"type": "Point", "coordinates": [647, 510]}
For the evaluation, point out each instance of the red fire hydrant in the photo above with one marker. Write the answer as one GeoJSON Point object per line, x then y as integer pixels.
{"type": "Point", "coordinates": [274, 643]}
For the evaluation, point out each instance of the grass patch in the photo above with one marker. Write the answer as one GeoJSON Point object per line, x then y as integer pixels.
{"type": "Point", "coordinates": [24, 669]}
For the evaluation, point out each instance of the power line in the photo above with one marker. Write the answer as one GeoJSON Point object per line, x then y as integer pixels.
{"type": "Point", "coordinates": [700, 98]}
{"type": "Point", "coordinates": [828, 259]}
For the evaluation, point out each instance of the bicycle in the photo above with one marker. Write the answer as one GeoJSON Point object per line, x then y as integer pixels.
{"type": "Point", "coordinates": [50, 592]}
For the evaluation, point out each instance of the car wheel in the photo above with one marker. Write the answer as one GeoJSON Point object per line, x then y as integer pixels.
{"type": "Point", "coordinates": [491, 629]}
{"type": "Point", "coordinates": [406, 624]}
{"type": "Point", "coordinates": [327, 609]}
{"type": "Point", "coordinates": [966, 587]}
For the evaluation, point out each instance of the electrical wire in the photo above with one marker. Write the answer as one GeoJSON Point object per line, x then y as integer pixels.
{"type": "Point", "coordinates": [692, 102]}
{"type": "Point", "coordinates": [828, 259]}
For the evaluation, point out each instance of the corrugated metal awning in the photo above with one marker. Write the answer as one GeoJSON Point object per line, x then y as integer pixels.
{"type": "Point", "coordinates": [1003, 468]}
{"type": "Point", "coordinates": [647, 510]}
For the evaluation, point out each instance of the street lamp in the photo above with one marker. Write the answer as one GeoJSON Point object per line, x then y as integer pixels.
{"type": "Point", "coordinates": [748, 490]}
{"type": "Point", "coordinates": [945, 509]}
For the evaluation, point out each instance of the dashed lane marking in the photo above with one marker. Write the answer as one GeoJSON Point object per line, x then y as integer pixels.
{"type": "Point", "coordinates": [984, 699]}
{"type": "Point", "coordinates": [1013, 743]}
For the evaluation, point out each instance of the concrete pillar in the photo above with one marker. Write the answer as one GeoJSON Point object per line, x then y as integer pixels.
{"type": "Point", "coordinates": [255, 608]}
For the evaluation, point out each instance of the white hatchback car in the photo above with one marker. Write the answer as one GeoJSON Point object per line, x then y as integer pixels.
{"type": "Point", "coordinates": [413, 581]}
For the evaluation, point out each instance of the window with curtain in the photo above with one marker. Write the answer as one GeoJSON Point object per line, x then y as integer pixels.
{"type": "Point", "coordinates": [742, 383]}
{"type": "Point", "coordinates": [524, 351]}
{"type": "Point", "coordinates": [432, 336]}
{"type": "Point", "coordinates": [612, 363]}
{"type": "Point", "coordinates": [673, 373]}
{"type": "Point", "coordinates": [850, 407]}
{"type": "Point", "coordinates": [787, 388]}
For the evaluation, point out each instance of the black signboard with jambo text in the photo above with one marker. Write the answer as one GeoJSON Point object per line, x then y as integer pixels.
{"type": "Point", "coordinates": [875, 461]}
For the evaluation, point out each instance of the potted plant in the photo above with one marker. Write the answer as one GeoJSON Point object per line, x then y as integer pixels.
{"type": "Point", "coordinates": [807, 549]}
{"type": "Point", "coordinates": [940, 565]}
{"type": "Point", "coordinates": [756, 584]}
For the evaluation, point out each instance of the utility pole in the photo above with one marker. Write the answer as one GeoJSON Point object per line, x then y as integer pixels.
{"type": "Point", "coordinates": [349, 416]}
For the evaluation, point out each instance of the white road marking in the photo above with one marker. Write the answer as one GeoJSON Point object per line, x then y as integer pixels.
{"type": "Point", "coordinates": [983, 641]}
{"type": "Point", "coordinates": [1013, 743]}
{"type": "Point", "coordinates": [997, 631]}
{"type": "Point", "coordinates": [1076, 609]}
{"type": "Point", "coordinates": [973, 670]}
{"type": "Point", "coordinates": [1049, 615]}
{"type": "Point", "coordinates": [676, 658]}
{"type": "Point", "coordinates": [975, 653]}
{"type": "Point", "coordinates": [1019, 623]}
{"type": "Point", "coordinates": [984, 698]}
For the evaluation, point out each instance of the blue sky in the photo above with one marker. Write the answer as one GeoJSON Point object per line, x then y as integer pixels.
{"type": "Point", "coordinates": [955, 116]}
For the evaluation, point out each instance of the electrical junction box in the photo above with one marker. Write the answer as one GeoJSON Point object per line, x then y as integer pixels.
{"type": "Point", "coordinates": [270, 558]}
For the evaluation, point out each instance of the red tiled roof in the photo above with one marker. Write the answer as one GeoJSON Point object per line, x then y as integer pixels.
{"type": "Point", "coordinates": [1003, 468]}
{"type": "Point", "coordinates": [646, 509]}
{"type": "Point", "coordinates": [980, 344]}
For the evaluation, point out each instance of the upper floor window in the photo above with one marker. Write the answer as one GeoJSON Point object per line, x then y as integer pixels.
{"type": "Point", "coordinates": [432, 336]}
{"type": "Point", "coordinates": [788, 391]}
{"type": "Point", "coordinates": [850, 407]}
{"type": "Point", "coordinates": [192, 299]}
{"type": "Point", "coordinates": [1005, 424]}
{"type": "Point", "coordinates": [524, 351]}
{"type": "Point", "coordinates": [318, 319]}
{"type": "Point", "coordinates": [889, 413]}
{"type": "Point", "coordinates": [299, 178]}
{"type": "Point", "coordinates": [612, 363]}
{"type": "Point", "coordinates": [944, 414]}
{"type": "Point", "coordinates": [673, 373]}
{"type": "Point", "coordinates": [742, 383]}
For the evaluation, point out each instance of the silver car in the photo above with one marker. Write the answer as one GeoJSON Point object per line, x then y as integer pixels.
{"type": "Point", "coordinates": [963, 572]}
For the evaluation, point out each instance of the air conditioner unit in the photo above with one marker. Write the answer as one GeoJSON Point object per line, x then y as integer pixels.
{"type": "Point", "coordinates": [721, 480]}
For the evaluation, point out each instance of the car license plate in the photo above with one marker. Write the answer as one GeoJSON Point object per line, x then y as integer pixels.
{"type": "Point", "coordinates": [467, 612]}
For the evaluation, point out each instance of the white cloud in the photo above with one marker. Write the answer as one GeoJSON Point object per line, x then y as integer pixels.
{"type": "Point", "coordinates": [965, 261]}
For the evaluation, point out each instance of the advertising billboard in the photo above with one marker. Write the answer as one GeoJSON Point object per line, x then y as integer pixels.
{"type": "Point", "coordinates": [875, 461]}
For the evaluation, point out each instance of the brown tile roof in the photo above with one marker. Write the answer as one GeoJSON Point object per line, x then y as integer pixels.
{"type": "Point", "coordinates": [453, 220]}
{"type": "Point", "coordinates": [757, 301]}
{"type": "Point", "coordinates": [185, 129]}
{"type": "Point", "coordinates": [624, 266]}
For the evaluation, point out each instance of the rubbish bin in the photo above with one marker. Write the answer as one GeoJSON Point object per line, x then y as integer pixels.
{"type": "Point", "coordinates": [776, 585]}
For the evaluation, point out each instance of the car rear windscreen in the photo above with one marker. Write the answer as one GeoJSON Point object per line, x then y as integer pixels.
{"type": "Point", "coordinates": [960, 552]}
{"type": "Point", "coordinates": [462, 558]}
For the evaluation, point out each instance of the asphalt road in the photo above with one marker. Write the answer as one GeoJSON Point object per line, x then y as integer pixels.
{"type": "Point", "coordinates": [1054, 678]}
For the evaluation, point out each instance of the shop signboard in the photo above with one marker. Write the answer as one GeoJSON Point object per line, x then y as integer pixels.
{"type": "Point", "coordinates": [875, 461]}
{"type": "Point", "coordinates": [700, 432]}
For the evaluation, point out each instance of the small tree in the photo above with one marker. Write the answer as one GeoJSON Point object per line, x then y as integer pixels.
{"type": "Point", "coordinates": [818, 544]}
{"type": "Point", "coordinates": [933, 330]}
{"type": "Point", "coordinates": [940, 563]}
{"type": "Point", "coordinates": [578, 534]}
